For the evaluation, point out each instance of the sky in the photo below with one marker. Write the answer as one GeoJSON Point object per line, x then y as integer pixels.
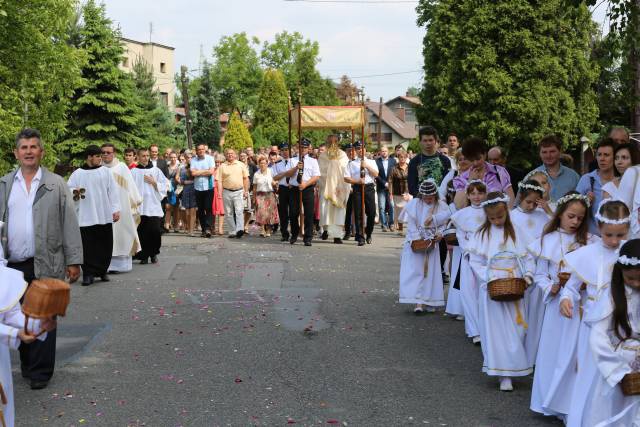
{"type": "Point", "coordinates": [356, 39]}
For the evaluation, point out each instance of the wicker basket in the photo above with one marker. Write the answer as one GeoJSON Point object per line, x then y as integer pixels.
{"type": "Point", "coordinates": [510, 289]}
{"type": "Point", "coordinates": [631, 384]}
{"type": "Point", "coordinates": [563, 278]}
{"type": "Point", "coordinates": [450, 237]}
{"type": "Point", "coordinates": [421, 245]}
{"type": "Point", "coordinates": [46, 298]}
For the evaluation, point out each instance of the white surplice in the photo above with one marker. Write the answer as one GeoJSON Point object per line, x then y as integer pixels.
{"type": "Point", "coordinates": [467, 221]}
{"type": "Point", "coordinates": [532, 223]}
{"type": "Point", "coordinates": [415, 286]}
{"type": "Point", "coordinates": [606, 404]}
{"type": "Point", "coordinates": [151, 196]}
{"type": "Point", "coordinates": [502, 324]}
{"type": "Point", "coordinates": [559, 335]}
{"type": "Point", "coordinates": [101, 198]}
{"type": "Point", "coordinates": [125, 236]}
{"type": "Point", "coordinates": [592, 265]}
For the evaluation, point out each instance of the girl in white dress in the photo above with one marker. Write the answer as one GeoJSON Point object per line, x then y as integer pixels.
{"type": "Point", "coordinates": [566, 232]}
{"type": "Point", "coordinates": [615, 342]}
{"type": "Point", "coordinates": [420, 273]}
{"type": "Point", "coordinates": [532, 220]}
{"type": "Point", "coordinates": [502, 324]}
{"type": "Point", "coordinates": [12, 333]}
{"type": "Point", "coordinates": [592, 266]}
{"type": "Point", "coordinates": [467, 221]}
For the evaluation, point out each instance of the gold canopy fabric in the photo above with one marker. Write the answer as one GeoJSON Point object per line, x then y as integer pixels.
{"type": "Point", "coordinates": [346, 117]}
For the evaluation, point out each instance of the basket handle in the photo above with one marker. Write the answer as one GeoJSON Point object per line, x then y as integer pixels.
{"type": "Point", "coordinates": [513, 255]}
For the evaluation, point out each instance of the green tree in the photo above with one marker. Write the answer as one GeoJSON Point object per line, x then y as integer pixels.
{"type": "Point", "coordinates": [272, 113]}
{"type": "Point", "coordinates": [155, 121]}
{"type": "Point", "coordinates": [297, 58]}
{"type": "Point", "coordinates": [206, 126]}
{"type": "Point", "coordinates": [39, 70]}
{"type": "Point", "coordinates": [510, 71]}
{"type": "Point", "coordinates": [236, 72]}
{"type": "Point", "coordinates": [237, 135]}
{"type": "Point", "coordinates": [624, 40]}
{"type": "Point", "coordinates": [104, 107]}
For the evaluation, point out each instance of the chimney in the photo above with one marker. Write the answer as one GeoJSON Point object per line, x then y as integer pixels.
{"type": "Point", "coordinates": [400, 112]}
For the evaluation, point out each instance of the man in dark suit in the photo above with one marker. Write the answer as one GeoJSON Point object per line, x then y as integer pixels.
{"type": "Point", "coordinates": [158, 162]}
{"type": "Point", "coordinates": [385, 203]}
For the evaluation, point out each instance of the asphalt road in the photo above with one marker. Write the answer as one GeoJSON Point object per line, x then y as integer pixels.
{"type": "Point", "coordinates": [257, 332]}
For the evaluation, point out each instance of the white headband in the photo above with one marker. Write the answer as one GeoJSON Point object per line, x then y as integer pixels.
{"type": "Point", "coordinates": [569, 197]}
{"type": "Point", "coordinates": [504, 199]}
{"type": "Point", "coordinates": [524, 186]}
{"type": "Point", "coordinates": [625, 260]}
{"type": "Point", "coordinates": [604, 220]}
{"type": "Point", "coordinates": [535, 172]}
{"type": "Point", "coordinates": [475, 181]}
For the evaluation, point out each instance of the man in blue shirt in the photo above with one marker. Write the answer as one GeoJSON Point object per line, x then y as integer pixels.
{"type": "Point", "coordinates": [203, 170]}
{"type": "Point", "coordinates": [561, 178]}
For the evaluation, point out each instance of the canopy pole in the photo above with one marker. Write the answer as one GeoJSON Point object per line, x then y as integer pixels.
{"type": "Point", "coordinates": [362, 175]}
{"type": "Point", "coordinates": [301, 160]}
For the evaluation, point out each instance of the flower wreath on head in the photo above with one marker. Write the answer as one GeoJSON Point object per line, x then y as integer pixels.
{"type": "Point", "coordinates": [523, 186]}
{"type": "Point", "coordinates": [504, 199]}
{"type": "Point", "coordinates": [474, 181]}
{"type": "Point", "coordinates": [570, 197]}
{"type": "Point", "coordinates": [600, 218]}
{"type": "Point", "coordinates": [625, 260]}
{"type": "Point", "coordinates": [528, 176]}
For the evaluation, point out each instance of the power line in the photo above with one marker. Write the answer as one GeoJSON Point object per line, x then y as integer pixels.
{"type": "Point", "coordinates": [355, 1]}
{"type": "Point", "coordinates": [380, 75]}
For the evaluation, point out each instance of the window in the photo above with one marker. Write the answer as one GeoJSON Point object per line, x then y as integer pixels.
{"type": "Point", "coordinates": [164, 98]}
{"type": "Point", "coordinates": [125, 62]}
{"type": "Point", "coordinates": [386, 137]}
{"type": "Point", "coordinates": [163, 67]}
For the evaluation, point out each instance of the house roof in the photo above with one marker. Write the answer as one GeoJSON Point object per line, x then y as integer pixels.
{"type": "Point", "coordinates": [404, 129]}
{"type": "Point", "coordinates": [164, 46]}
{"type": "Point", "coordinates": [410, 99]}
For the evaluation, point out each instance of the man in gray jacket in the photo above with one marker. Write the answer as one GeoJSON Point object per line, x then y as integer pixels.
{"type": "Point", "coordinates": [41, 237]}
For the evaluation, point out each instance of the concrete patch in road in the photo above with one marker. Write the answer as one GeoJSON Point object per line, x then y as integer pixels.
{"type": "Point", "coordinates": [263, 275]}
{"type": "Point", "coordinates": [298, 309]}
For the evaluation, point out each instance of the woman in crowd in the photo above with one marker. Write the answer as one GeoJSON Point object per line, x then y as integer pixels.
{"type": "Point", "coordinates": [266, 206]}
{"type": "Point", "coordinates": [398, 188]}
{"type": "Point", "coordinates": [188, 195]}
{"type": "Point", "coordinates": [172, 207]}
{"type": "Point", "coordinates": [218, 206]}
{"type": "Point", "coordinates": [624, 156]}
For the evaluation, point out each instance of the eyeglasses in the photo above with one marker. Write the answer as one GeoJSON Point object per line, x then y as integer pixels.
{"type": "Point", "coordinates": [107, 152]}
{"type": "Point", "coordinates": [78, 194]}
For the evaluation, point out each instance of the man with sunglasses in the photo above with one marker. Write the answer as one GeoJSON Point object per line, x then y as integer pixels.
{"type": "Point", "coordinates": [98, 206]}
{"type": "Point", "coordinates": [40, 238]}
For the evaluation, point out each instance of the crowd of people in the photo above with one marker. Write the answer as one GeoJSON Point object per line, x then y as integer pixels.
{"type": "Point", "coordinates": [467, 218]}
{"type": "Point", "coordinates": [545, 274]}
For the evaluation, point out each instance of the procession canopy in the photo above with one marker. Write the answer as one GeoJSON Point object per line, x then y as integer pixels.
{"type": "Point", "coordinates": [329, 117]}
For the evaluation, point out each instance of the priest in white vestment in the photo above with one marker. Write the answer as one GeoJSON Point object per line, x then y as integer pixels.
{"type": "Point", "coordinates": [334, 192]}
{"type": "Point", "coordinates": [125, 235]}
{"type": "Point", "coordinates": [98, 207]}
{"type": "Point", "coordinates": [153, 186]}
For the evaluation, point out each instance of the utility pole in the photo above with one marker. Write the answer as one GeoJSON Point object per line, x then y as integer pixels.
{"type": "Point", "coordinates": [185, 99]}
{"type": "Point", "coordinates": [379, 130]}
